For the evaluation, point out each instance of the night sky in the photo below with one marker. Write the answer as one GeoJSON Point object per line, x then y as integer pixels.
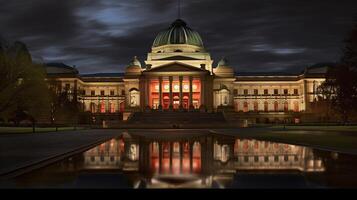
{"type": "Point", "coordinates": [254, 35]}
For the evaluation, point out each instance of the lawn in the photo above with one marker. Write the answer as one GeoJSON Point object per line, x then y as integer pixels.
{"type": "Point", "coordinates": [37, 129]}
{"type": "Point", "coordinates": [323, 139]}
{"type": "Point", "coordinates": [318, 128]}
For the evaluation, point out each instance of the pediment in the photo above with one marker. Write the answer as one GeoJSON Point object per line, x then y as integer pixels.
{"type": "Point", "coordinates": [176, 67]}
{"type": "Point", "coordinates": [179, 58]}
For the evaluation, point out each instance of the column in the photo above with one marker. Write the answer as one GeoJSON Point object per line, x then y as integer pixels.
{"type": "Point", "coordinates": [191, 156]}
{"type": "Point", "coordinates": [160, 157]}
{"type": "Point", "coordinates": [181, 156]}
{"type": "Point", "coordinates": [147, 94]}
{"type": "Point", "coordinates": [202, 91]}
{"type": "Point", "coordinates": [191, 95]}
{"type": "Point", "coordinates": [171, 153]}
{"type": "Point", "coordinates": [171, 96]}
{"type": "Point", "coordinates": [160, 92]}
{"type": "Point", "coordinates": [181, 94]}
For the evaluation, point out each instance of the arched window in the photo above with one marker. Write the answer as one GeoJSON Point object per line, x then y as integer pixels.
{"type": "Point", "coordinates": [255, 106]}
{"type": "Point", "coordinates": [245, 106]}
{"type": "Point", "coordinates": [236, 106]}
{"type": "Point", "coordinates": [112, 107]}
{"type": "Point", "coordinates": [266, 106]}
{"type": "Point", "coordinates": [286, 106]}
{"type": "Point", "coordinates": [276, 106]}
{"type": "Point", "coordinates": [92, 107]}
{"type": "Point", "coordinates": [102, 107]}
{"type": "Point", "coordinates": [122, 107]}
{"type": "Point", "coordinates": [296, 106]}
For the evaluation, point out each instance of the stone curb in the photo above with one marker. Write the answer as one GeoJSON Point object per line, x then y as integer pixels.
{"type": "Point", "coordinates": [49, 160]}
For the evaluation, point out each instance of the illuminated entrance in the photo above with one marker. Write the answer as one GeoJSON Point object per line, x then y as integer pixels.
{"type": "Point", "coordinates": [175, 157]}
{"type": "Point", "coordinates": [175, 92]}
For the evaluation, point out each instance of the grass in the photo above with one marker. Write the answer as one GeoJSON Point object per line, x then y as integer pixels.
{"type": "Point", "coordinates": [37, 129]}
{"type": "Point", "coordinates": [318, 128]}
{"type": "Point", "coordinates": [332, 140]}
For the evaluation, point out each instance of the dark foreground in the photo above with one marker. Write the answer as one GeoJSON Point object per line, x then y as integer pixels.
{"type": "Point", "coordinates": [192, 159]}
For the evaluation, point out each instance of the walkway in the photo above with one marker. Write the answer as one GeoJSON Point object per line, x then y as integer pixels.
{"type": "Point", "coordinates": [21, 150]}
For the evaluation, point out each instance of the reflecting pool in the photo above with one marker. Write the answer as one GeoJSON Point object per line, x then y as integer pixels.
{"type": "Point", "coordinates": [138, 160]}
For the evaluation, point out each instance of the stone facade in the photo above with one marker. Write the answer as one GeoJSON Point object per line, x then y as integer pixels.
{"type": "Point", "coordinates": [179, 75]}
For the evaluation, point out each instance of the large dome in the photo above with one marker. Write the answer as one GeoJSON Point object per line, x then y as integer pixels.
{"type": "Point", "coordinates": [178, 33]}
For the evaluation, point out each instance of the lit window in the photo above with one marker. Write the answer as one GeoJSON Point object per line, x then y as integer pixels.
{"type": "Point", "coordinates": [185, 87]}
{"type": "Point", "coordinates": [102, 107]}
{"type": "Point", "coordinates": [157, 87]}
{"type": "Point", "coordinates": [296, 91]}
{"type": "Point", "coordinates": [194, 87]}
{"type": "Point", "coordinates": [166, 87]}
{"type": "Point", "coordinates": [112, 107]}
{"type": "Point", "coordinates": [176, 87]}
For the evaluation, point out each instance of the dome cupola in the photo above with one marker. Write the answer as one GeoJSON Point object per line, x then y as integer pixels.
{"type": "Point", "coordinates": [223, 69]}
{"type": "Point", "coordinates": [134, 67]}
{"type": "Point", "coordinates": [178, 33]}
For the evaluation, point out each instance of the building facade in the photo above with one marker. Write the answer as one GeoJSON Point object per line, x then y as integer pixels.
{"type": "Point", "coordinates": [178, 74]}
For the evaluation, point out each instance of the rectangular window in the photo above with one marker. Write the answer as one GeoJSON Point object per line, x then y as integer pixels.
{"type": "Point", "coordinates": [286, 158]}
{"type": "Point", "coordinates": [265, 91]}
{"type": "Point", "coordinates": [245, 92]}
{"type": "Point", "coordinates": [235, 92]}
{"type": "Point", "coordinates": [92, 92]}
{"type": "Point", "coordinates": [296, 91]}
{"type": "Point", "coordinates": [123, 92]}
{"type": "Point", "coordinates": [286, 91]}
{"type": "Point", "coordinates": [102, 93]}
{"type": "Point", "coordinates": [246, 158]}
{"type": "Point", "coordinates": [68, 86]}
{"type": "Point", "coordinates": [256, 159]}
{"type": "Point", "coordinates": [276, 158]}
{"type": "Point", "coordinates": [111, 92]}
{"type": "Point", "coordinates": [266, 159]}
{"type": "Point", "coordinates": [255, 91]}
{"type": "Point", "coordinates": [276, 91]}
{"type": "Point", "coordinates": [83, 92]}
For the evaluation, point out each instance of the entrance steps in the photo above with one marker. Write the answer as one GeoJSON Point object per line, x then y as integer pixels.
{"type": "Point", "coordinates": [177, 118]}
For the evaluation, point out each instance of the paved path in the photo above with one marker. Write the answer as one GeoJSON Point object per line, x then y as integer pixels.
{"type": "Point", "coordinates": [20, 150]}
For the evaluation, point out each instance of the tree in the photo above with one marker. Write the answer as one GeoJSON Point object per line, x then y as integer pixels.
{"type": "Point", "coordinates": [64, 104]}
{"type": "Point", "coordinates": [341, 81]}
{"type": "Point", "coordinates": [22, 87]}
{"type": "Point", "coordinates": [340, 87]}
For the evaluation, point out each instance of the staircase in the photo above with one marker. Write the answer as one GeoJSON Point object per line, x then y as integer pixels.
{"type": "Point", "coordinates": [176, 118]}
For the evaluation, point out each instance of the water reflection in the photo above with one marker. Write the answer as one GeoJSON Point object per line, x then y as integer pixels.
{"type": "Point", "coordinates": [197, 160]}
{"type": "Point", "coordinates": [190, 161]}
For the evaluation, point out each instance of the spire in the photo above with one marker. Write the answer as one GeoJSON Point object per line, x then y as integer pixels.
{"type": "Point", "coordinates": [178, 9]}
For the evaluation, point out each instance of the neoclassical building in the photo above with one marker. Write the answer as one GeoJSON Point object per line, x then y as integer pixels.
{"type": "Point", "coordinates": [179, 74]}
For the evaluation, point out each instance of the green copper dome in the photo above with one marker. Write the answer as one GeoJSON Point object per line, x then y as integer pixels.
{"type": "Point", "coordinates": [178, 33]}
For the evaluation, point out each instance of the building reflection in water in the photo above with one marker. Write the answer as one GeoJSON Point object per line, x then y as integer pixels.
{"type": "Point", "coordinates": [198, 160]}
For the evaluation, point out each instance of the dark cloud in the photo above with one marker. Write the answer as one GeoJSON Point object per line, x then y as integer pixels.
{"type": "Point", "coordinates": [255, 35]}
